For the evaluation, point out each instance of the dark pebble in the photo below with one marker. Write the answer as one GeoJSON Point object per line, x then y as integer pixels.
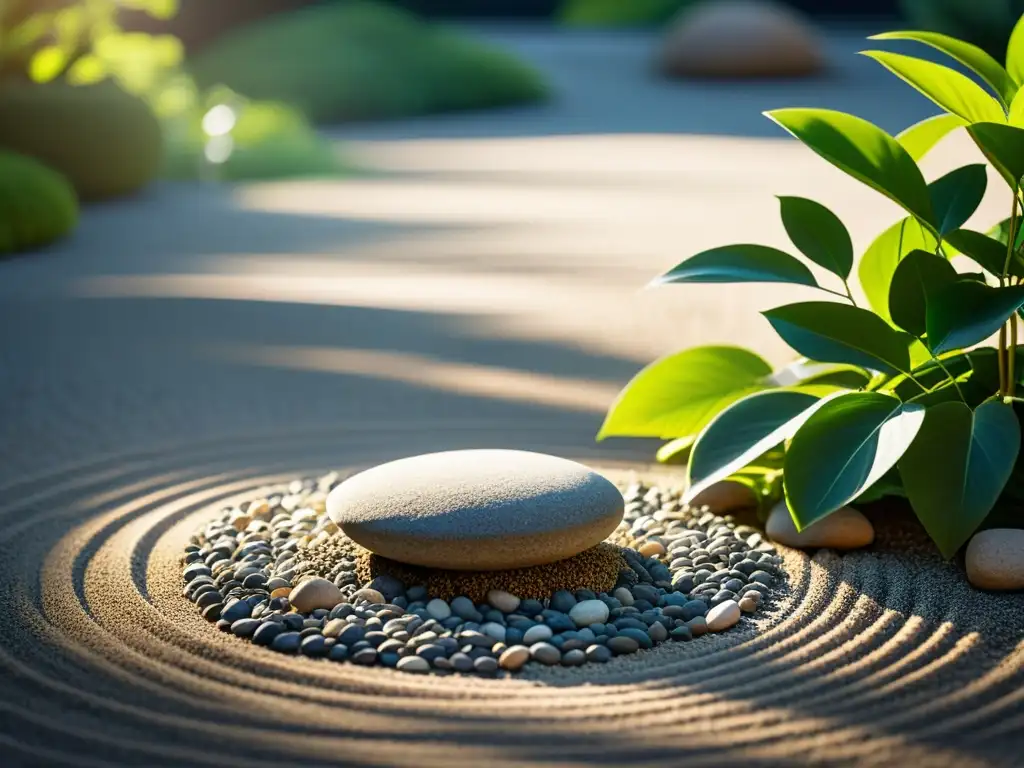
{"type": "Point", "coordinates": [598, 654]}
{"type": "Point", "coordinates": [245, 627]}
{"type": "Point", "coordinates": [315, 646]}
{"type": "Point", "coordinates": [267, 631]}
{"type": "Point", "coordinates": [212, 612]}
{"type": "Point", "coordinates": [530, 608]}
{"type": "Point", "coordinates": [236, 611]}
{"type": "Point", "coordinates": [338, 653]}
{"type": "Point", "coordinates": [639, 636]}
{"type": "Point", "coordinates": [562, 601]}
{"type": "Point", "coordinates": [286, 642]}
{"type": "Point", "coordinates": [254, 581]}
{"type": "Point", "coordinates": [367, 657]}
{"type": "Point", "coordinates": [209, 598]}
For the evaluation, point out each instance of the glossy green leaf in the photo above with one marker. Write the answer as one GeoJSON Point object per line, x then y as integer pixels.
{"type": "Point", "coordinates": [968, 312]}
{"type": "Point", "coordinates": [679, 394]}
{"type": "Point", "coordinates": [838, 333]}
{"type": "Point", "coordinates": [986, 252]}
{"type": "Point", "coordinates": [840, 376]}
{"type": "Point", "coordinates": [952, 91]}
{"type": "Point", "coordinates": [742, 432]}
{"type": "Point", "coordinates": [957, 466]}
{"type": "Point", "coordinates": [1001, 233]}
{"type": "Point", "coordinates": [920, 138]}
{"type": "Point", "coordinates": [864, 151]}
{"type": "Point", "coordinates": [1003, 146]}
{"type": "Point", "coordinates": [843, 449]}
{"type": "Point", "coordinates": [740, 264]}
{"type": "Point", "coordinates": [878, 264]}
{"type": "Point", "coordinates": [1015, 53]}
{"type": "Point", "coordinates": [675, 451]}
{"type": "Point", "coordinates": [1016, 117]}
{"type": "Point", "coordinates": [971, 56]}
{"type": "Point", "coordinates": [918, 275]}
{"type": "Point", "coordinates": [957, 195]}
{"type": "Point", "coordinates": [818, 233]}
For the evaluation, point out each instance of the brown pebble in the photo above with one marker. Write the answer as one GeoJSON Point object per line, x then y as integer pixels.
{"type": "Point", "coordinates": [652, 549]}
{"type": "Point", "coordinates": [281, 592]}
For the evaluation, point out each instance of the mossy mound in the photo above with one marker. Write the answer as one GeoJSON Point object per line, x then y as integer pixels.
{"type": "Point", "coordinates": [37, 204]}
{"type": "Point", "coordinates": [104, 140]}
{"type": "Point", "coordinates": [357, 61]}
{"type": "Point", "coordinates": [596, 569]}
{"type": "Point", "coordinates": [620, 13]}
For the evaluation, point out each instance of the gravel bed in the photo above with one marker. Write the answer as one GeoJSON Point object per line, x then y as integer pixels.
{"type": "Point", "coordinates": [277, 571]}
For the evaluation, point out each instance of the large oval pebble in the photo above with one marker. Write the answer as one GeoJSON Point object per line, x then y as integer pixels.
{"type": "Point", "coordinates": [477, 509]}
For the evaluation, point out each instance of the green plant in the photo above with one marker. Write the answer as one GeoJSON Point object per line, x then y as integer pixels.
{"type": "Point", "coordinates": [81, 42]}
{"type": "Point", "coordinates": [37, 204]}
{"type": "Point", "coordinates": [899, 397]}
{"type": "Point", "coordinates": [222, 136]}
{"type": "Point", "coordinates": [616, 13]}
{"type": "Point", "coordinates": [985, 23]}
{"type": "Point", "coordinates": [359, 60]}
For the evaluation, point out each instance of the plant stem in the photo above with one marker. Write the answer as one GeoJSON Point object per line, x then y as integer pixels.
{"type": "Point", "coordinates": [1002, 361]}
{"type": "Point", "coordinates": [1011, 368]}
{"type": "Point", "coordinates": [837, 293]}
{"type": "Point", "coordinates": [951, 377]}
{"type": "Point", "coordinates": [849, 293]}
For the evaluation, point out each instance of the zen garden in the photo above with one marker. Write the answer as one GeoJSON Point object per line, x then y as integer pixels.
{"type": "Point", "coordinates": [427, 383]}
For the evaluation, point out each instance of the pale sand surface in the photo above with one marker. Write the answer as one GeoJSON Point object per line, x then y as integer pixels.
{"type": "Point", "coordinates": [481, 290]}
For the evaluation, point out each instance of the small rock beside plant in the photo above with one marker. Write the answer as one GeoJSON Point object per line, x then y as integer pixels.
{"type": "Point", "coordinates": [845, 528]}
{"type": "Point", "coordinates": [995, 559]}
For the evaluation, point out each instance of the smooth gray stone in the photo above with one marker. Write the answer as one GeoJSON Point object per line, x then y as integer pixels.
{"type": "Point", "coordinates": [477, 509]}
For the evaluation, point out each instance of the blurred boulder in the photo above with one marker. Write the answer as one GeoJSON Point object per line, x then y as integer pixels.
{"type": "Point", "coordinates": [740, 39]}
{"type": "Point", "coordinates": [104, 140]}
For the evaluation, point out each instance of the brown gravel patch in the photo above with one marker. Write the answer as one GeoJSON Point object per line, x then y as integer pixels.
{"type": "Point", "coordinates": [596, 568]}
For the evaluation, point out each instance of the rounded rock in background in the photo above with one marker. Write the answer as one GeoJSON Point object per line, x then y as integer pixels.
{"type": "Point", "coordinates": [315, 593]}
{"type": "Point", "coordinates": [740, 39]}
{"type": "Point", "coordinates": [477, 509]}
{"type": "Point", "coordinates": [995, 559]}
{"type": "Point", "coordinates": [845, 528]}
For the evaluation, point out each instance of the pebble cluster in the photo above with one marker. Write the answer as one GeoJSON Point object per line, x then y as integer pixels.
{"type": "Point", "coordinates": [276, 570]}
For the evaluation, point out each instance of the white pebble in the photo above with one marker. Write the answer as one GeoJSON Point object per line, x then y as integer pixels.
{"type": "Point", "coordinates": [589, 612]}
{"type": "Point", "coordinates": [623, 595]}
{"type": "Point", "coordinates": [723, 616]}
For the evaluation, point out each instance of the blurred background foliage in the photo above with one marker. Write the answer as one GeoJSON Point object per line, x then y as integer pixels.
{"type": "Point", "coordinates": [111, 92]}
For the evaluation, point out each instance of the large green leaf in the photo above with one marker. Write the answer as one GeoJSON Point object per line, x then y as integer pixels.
{"type": "Point", "coordinates": [957, 466]}
{"type": "Point", "coordinates": [1003, 145]}
{"type": "Point", "coordinates": [864, 151]}
{"type": "Point", "coordinates": [985, 251]}
{"type": "Point", "coordinates": [675, 451]}
{"type": "Point", "coordinates": [957, 195]}
{"type": "Point", "coordinates": [952, 91]}
{"type": "Point", "coordinates": [838, 333]}
{"type": "Point", "coordinates": [1015, 53]}
{"type": "Point", "coordinates": [920, 138]}
{"type": "Point", "coordinates": [679, 394]}
{"type": "Point", "coordinates": [818, 233]}
{"type": "Point", "coordinates": [843, 449]}
{"type": "Point", "coordinates": [878, 264]}
{"type": "Point", "coordinates": [1016, 117]}
{"type": "Point", "coordinates": [971, 56]}
{"type": "Point", "coordinates": [745, 430]}
{"type": "Point", "coordinates": [740, 264]}
{"type": "Point", "coordinates": [968, 312]}
{"type": "Point", "coordinates": [919, 275]}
